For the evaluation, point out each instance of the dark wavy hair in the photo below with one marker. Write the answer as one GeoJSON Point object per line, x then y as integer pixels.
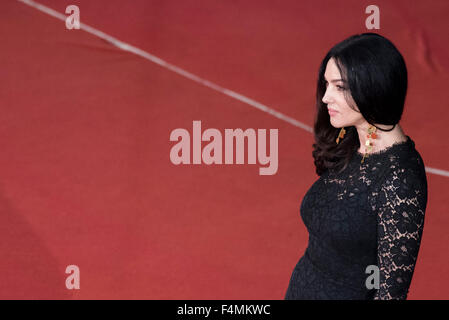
{"type": "Point", "coordinates": [376, 76]}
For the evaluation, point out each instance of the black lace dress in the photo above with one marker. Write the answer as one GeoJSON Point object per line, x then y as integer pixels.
{"type": "Point", "coordinates": [372, 214]}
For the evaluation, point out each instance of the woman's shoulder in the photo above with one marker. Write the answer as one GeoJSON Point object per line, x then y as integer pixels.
{"type": "Point", "coordinates": [405, 157]}
{"type": "Point", "coordinates": [403, 167]}
{"type": "Point", "coordinates": [403, 180]}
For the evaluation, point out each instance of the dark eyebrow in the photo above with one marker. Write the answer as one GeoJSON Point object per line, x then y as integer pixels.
{"type": "Point", "coordinates": [335, 80]}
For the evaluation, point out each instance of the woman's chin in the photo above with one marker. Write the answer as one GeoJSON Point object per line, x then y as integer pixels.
{"type": "Point", "coordinates": [336, 124]}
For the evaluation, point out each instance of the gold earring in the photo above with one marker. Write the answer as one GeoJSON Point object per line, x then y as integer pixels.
{"type": "Point", "coordinates": [341, 135]}
{"type": "Point", "coordinates": [368, 144]}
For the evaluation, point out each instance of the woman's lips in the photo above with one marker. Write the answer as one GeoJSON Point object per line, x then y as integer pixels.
{"type": "Point", "coordinates": [332, 112]}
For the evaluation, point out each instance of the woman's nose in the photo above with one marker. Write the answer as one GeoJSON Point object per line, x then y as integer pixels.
{"type": "Point", "coordinates": [326, 98]}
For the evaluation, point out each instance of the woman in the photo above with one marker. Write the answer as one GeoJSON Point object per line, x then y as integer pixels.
{"type": "Point", "coordinates": [365, 214]}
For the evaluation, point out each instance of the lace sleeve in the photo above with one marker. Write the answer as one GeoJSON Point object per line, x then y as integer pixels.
{"type": "Point", "coordinates": [401, 204]}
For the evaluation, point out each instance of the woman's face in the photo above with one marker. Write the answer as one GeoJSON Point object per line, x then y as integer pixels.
{"type": "Point", "coordinates": [335, 99]}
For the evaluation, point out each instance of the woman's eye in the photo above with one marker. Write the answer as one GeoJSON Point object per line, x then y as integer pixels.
{"type": "Point", "coordinates": [339, 88]}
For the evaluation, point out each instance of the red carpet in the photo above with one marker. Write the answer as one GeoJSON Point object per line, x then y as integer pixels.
{"type": "Point", "coordinates": [85, 172]}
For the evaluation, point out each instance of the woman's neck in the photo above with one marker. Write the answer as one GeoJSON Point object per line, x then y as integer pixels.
{"type": "Point", "coordinates": [383, 140]}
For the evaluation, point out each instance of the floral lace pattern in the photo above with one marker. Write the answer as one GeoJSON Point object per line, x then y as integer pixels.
{"type": "Point", "coordinates": [401, 206]}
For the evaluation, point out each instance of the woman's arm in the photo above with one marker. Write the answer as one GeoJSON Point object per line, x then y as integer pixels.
{"type": "Point", "coordinates": [401, 204]}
